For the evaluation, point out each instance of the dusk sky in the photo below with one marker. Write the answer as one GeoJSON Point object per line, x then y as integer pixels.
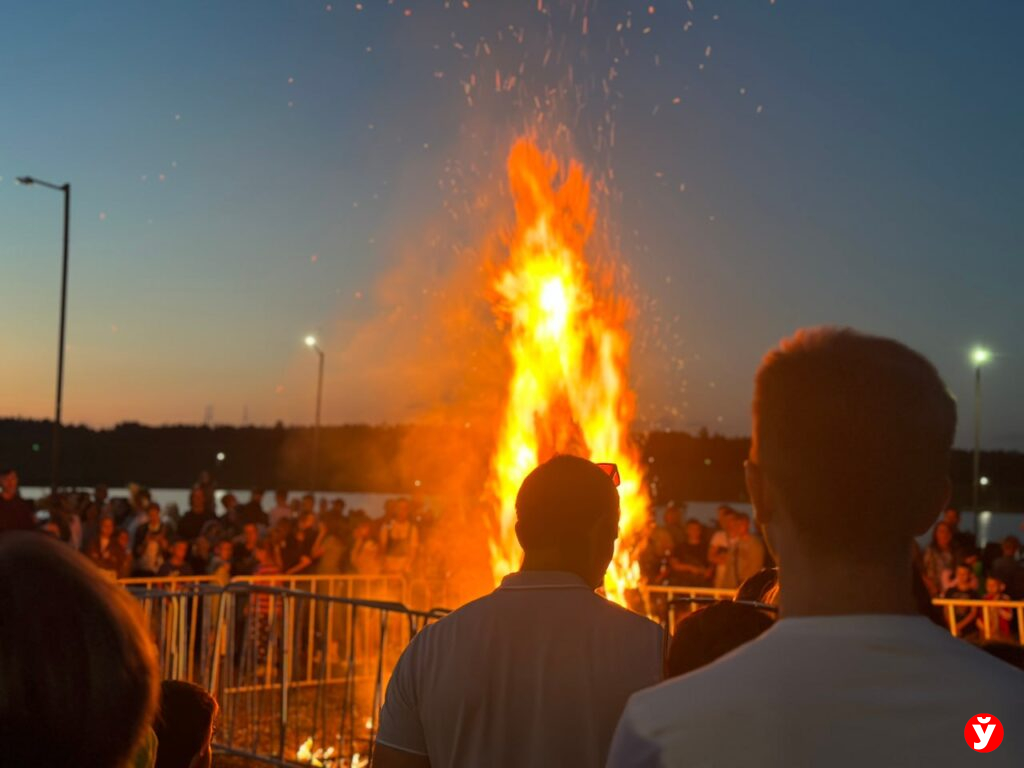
{"type": "Point", "coordinates": [245, 173]}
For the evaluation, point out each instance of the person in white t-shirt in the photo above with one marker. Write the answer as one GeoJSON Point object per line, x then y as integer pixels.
{"type": "Point", "coordinates": [538, 672]}
{"type": "Point", "coordinates": [720, 543]}
{"type": "Point", "coordinates": [848, 463]}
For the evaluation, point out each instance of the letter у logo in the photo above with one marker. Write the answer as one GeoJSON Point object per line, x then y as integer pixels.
{"type": "Point", "coordinates": [983, 732]}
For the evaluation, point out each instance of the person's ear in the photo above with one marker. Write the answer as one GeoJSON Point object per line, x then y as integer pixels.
{"type": "Point", "coordinates": [758, 491]}
{"type": "Point", "coordinates": [939, 502]}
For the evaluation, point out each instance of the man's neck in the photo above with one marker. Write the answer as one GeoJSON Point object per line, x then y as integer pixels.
{"type": "Point", "coordinates": [830, 587]}
{"type": "Point", "coordinates": [541, 560]}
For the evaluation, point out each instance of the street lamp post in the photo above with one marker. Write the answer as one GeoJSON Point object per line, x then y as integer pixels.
{"type": "Point", "coordinates": [312, 344]}
{"type": "Point", "coordinates": [979, 356]}
{"type": "Point", "coordinates": [55, 450]}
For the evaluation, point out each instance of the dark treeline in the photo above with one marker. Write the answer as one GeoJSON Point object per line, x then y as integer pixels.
{"type": "Point", "coordinates": [359, 458]}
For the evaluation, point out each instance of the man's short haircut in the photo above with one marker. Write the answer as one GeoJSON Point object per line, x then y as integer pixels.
{"type": "Point", "coordinates": [183, 724]}
{"type": "Point", "coordinates": [559, 502]}
{"type": "Point", "coordinates": [854, 432]}
{"type": "Point", "coordinates": [78, 674]}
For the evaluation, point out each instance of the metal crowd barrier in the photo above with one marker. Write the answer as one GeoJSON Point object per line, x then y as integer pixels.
{"type": "Point", "coordinates": [660, 603]}
{"type": "Point", "coordinates": [988, 613]}
{"type": "Point", "coordinates": [298, 664]}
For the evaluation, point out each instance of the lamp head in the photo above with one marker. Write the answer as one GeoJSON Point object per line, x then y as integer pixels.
{"type": "Point", "coordinates": [311, 341]}
{"type": "Point", "coordinates": [26, 180]}
{"type": "Point", "coordinates": [980, 356]}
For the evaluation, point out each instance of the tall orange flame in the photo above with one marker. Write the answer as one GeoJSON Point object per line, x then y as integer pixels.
{"type": "Point", "coordinates": [568, 391]}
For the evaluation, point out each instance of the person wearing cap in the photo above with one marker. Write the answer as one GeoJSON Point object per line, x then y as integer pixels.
{"type": "Point", "coordinates": [537, 672]}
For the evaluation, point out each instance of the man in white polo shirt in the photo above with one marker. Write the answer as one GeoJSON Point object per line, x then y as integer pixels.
{"type": "Point", "coordinates": [849, 462]}
{"type": "Point", "coordinates": [536, 673]}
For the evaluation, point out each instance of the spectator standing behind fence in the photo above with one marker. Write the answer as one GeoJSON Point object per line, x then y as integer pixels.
{"type": "Point", "coordinates": [963, 589]}
{"type": "Point", "coordinates": [78, 674]}
{"type": "Point", "coordinates": [963, 541]}
{"type": "Point", "coordinates": [252, 511]}
{"type": "Point", "coordinates": [364, 559]}
{"type": "Point", "coordinates": [151, 543]}
{"type": "Point", "coordinates": [106, 552]}
{"type": "Point", "coordinates": [536, 673]}
{"type": "Point", "coordinates": [1009, 569]}
{"type": "Point", "coordinates": [1000, 619]}
{"type": "Point", "coordinates": [330, 553]}
{"type": "Point", "coordinates": [16, 513]}
{"type": "Point", "coordinates": [940, 560]}
{"type": "Point", "coordinates": [849, 462]}
{"type": "Point", "coordinates": [177, 564]}
{"type": "Point", "coordinates": [244, 553]}
{"type": "Point", "coordinates": [297, 553]}
{"type": "Point", "coordinates": [689, 562]}
{"type": "Point", "coordinates": [192, 522]}
{"type": "Point", "coordinates": [720, 543]}
{"type": "Point", "coordinates": [281, 508]}
{"type": "Point", "coordinates": [745, 554]}
{"type": "Point", "coordinates": [399, 540]}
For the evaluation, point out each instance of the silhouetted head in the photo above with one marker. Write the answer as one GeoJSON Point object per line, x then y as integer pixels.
{"type": "Point", "coordinates": [153, 514]}
{"type": "Point", "coordinates": [694, 532]}
{"type": "Point", "coordinates": [760, 587]}
{"type": "Point", "coordinates": [184, 726]}
{"type": "Point", "coordinates": [964, 577]}
{"type": "Point", "coordinates": [402, 510]}
{"type": "Point", "coordinates": [198, 500]}
{"type": "Point", "coordinates": [9, 482]}
{"type": "Point", "coordinates": [942, 536]}
{"type": "Point", "coordinates": [672, 515]}
{"type": "Point", "coordinates": [850, 452]}
{"type": "Point", "coordinates": [951, 517]}
{"type": "Point", "coordinates": [709, 633]}
{"type": "Point", "coordinates": [567, 516]}
{"type": "Point", "coordinates": [78, 675]}
{"type": "Point", "coordinates": [739, 524]}
{"type": "Point", "coordinates": [281, 497]}
{"type": "Point", "coordinates": [1009, 546]}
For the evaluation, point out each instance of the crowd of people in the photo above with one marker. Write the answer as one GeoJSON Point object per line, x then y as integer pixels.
{"type": "Point", "coordinates": [953, 566]}
{"type": "Point", "coordinates": [832, 659]}
{"type": "Point", "coordinates": [690, 554]}
{"type": "Point", "coordinates": [299, 535]}
{"type": "Point", "coordinates": [828, 658]}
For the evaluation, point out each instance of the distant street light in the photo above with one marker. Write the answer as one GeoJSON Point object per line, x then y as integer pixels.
{"type": "Point", "coordinates": [55, 451]}
{"type": "Point", "coordinates": [979, 356]}
{"type": "Point", "coordinates": [312, 344]}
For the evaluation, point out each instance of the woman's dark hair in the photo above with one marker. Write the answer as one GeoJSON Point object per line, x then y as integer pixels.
{"type": "Point", "coordinates": [709, 633]}
{"type": "Point", "coordinates": [78, 674]}
{"type": "Point", "coordinates": [935, 530]}
{"type": "Point", "coordinates": [756, 587]}
{"type": "Point", "coordinates": [183, 724]}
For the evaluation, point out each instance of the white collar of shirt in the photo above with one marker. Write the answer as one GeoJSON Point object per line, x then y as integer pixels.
{"type": "Point", "coordinates": [543, 580]}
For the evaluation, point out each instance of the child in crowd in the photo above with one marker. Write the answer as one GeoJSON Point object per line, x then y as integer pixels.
{"type": "Point", "coordinates": [962, 589]}
{"type": "Point", "coordinates": [1000, 619]}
